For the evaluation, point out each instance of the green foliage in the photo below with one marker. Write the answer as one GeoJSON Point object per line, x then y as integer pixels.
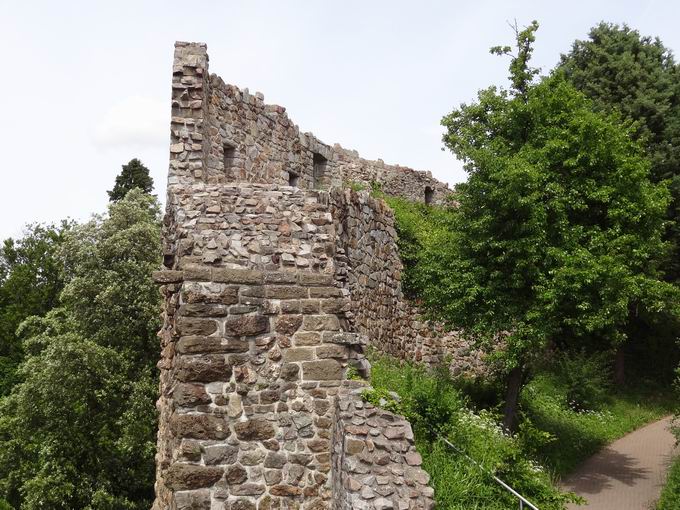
{"type": "Point", "coordinates": [587, 377]}
{"type": "Point", "coordinates": [434, 406]}
{"type": "Point", "coordinates": [79, 430]}
{"type": "Point", "coordinates": [559, 229]}
{"type": "Point", "coordinates": [133, 175]}
{"type": "Point", "coordinates": [580, 434]}
{"type": "Point", "coordinates": [670, 495]}
{"type": "Point", "coordinates": [30, 283]}
{"type": "Point", "coordinates": [622, 71]}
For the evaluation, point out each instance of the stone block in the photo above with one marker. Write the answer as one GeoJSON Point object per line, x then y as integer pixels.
{"type": "Point", "coordinates": [202, 310]}
{"type": "Point", "coordinates": [288, 324]}
{"type": "Point", "coordinates": [243, 276]}
{"type": "Point", "coordinates": [286, 292]}
{"type": "Point", "coordinates": [195, 326]}
{"type": "Point", "coordinates": [308, 278]}
{"type": "Point", "coordinates": [257, 429]}
{"type": "Point", "coordinates": [180, 476]}
{"type": "Point", "coordinates": [332, 351]}
{"type": "Point", "coordinates": [322, 370]}
{"type": "Point", "coordinates": [190, 395]}
{"type": "Point", "coordinates": [210, 344]}
{"type": "Point", "coordinates": [220, 454]}
{"type": "Point", "coordinates": [320, 323]}
{"type": "Point", "coordinates": [199, 426]}
{"type": "Point", "coordinates": [306, 338]}
{"type": "Point", "coordinates": [192, 500]}
{"type": "Point", "coordinates": [293, 354]}
{"type": "Point", "coordinates": [203, 369]}
{"type": "Point", "coordinates": [246, 325]}
{"type": "Point", "coordinates": [166, 276]}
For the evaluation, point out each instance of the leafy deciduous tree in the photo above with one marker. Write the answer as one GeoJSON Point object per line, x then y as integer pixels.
{"type": "Point", "coordinates": [79, 430]}
{"type": "Point", "coordinates": [558, 227]}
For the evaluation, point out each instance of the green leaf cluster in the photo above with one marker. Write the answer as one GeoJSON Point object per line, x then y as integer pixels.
{"type": "Point", "coordinates": [79, 430]}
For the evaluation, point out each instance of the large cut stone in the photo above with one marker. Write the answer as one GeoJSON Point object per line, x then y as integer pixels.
{"type": "Point", "coordinates": [246, 325]}
{"type": "Point", "coordinates": [190, 395]}
{"type": "Point", "coordinates": [181, 476]}
{"type": "Point", "coordinates": [199, 426]}
{"type": "Point", "coordinates": [257, 429]}
{"type": "Point", "coordinates": [195, 326]}
{"type": "Point", "coordinates": [204, 369]}
{"type": "Point", "coordinates": [210, 344]}
{"type": "Point", "coordinates": [322, 370]}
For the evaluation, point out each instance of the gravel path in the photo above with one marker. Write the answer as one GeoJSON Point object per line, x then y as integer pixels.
{"type": "Point", "coordinates": [628, 474]}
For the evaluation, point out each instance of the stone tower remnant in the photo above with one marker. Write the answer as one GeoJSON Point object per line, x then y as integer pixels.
{"type": "Point", "coordinates": [276, 279]}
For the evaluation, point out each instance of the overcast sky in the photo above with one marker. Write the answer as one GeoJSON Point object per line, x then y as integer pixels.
{"type": "Point", "coordinates": [85, 85]}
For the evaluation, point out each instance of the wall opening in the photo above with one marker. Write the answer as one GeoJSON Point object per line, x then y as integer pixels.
{"type": "Point", "coordinates": [229, 159]}
{"type": "Point", "coordinates": [319, 170]}
{"type": "Point", "coordinates": [293, 179]}
{"type": "Point", "coordinates": [429, 195]}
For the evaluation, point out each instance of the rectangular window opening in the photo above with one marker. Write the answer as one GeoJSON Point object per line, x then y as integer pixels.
{"type": "Point", "coordinates": [319, 169]}
{"type": "Point", "coordinates": [429, 195]}
{"type": "Point", "coordinates": [293, 179]}
{"type": "Point", "coordinates": [229, 159]}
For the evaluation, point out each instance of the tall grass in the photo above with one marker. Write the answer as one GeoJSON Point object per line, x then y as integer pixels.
{"type": "Point", "coordinates": [435, 406]}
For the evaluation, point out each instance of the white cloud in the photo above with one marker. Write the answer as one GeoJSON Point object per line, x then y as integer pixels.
{"type": "Point", "coordinates": [135, 121]}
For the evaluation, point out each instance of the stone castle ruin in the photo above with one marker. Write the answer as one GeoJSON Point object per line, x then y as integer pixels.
{"type": "Point", "coordinates": [277, 278]}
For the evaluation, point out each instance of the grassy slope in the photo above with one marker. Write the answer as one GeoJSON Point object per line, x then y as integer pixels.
{"type": "Point", "coordinates": [670, 497]}
{"type": "Point", "coordinates": [459, 484]}
{"type": "Point", "coordinates": [580, 435]}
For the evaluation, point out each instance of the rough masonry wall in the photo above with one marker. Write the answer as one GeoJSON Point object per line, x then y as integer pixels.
{"type": "Point", "coordinates": [257, 331]}
{"type": "Point", "coordinates": [370, 269]}
{"type": "Point", "coordinates": [375, 461]}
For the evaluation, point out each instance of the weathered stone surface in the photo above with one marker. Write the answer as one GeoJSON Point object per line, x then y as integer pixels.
{"type": "Point", "coordinates": [210, 344]}
{"type": "Point", "coordinates": [235, 475]}
{"type": "Point", "coordinates": [257, 429]}
{"type": "Point", "coordinates": [182, 476]}
{"type": "Point", "coordinates": [199, 426]}
{"type": "Point", "coordinates": [194, 326]}
{"type": "Point", "coordinates": [190, 395]}
{"type": "Point", "coordinates": [220, 454]}
{"type": "Point", "coordinates": [207, 368]}
{"type": "Point", "coordinates": [193, 500]}
{"type": "Point", "coordinates": [322, 370]}
{"type": "Point", "coordinates": [164, 277]}
{"type": "Point", "coordinates": [288, 324]}
{"type": "Point", "coordinates": [244, 276]}
{"type": "Point", "coordinates": [246, 325]}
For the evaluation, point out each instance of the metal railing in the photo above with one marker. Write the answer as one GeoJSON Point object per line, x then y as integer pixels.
{"type": "Point", "coordinates": [522, 500]}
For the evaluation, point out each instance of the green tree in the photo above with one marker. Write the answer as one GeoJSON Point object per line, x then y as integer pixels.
{"type": "Point", "coordinates": [622, 71]}
{"type": "Point", "coordinates": [78, 431]}
{"type": "Point", "coordinates": [133, 175]}
{"type": "Point", "coordinates": [558, 227]}
{"type": "Point", "coordinates": [30, 283]}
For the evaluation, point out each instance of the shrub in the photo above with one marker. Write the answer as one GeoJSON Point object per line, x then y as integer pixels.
{"type": "Point", "coordinates": [587, 379]}
{"type": "Point", "coordinates": [437, 408]}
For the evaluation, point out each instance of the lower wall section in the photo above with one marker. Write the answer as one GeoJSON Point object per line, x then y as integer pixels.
{"type": "Point", "coordinates": [369, 267]}
{"type": "Point", "coordinates": [375, 463]}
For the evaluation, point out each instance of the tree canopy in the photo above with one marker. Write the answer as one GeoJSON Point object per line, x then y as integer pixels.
{"type": "Point", "coordinates": [78, 430]}
{"type": "Point", "coordinates": [637, 76]}
{"type": "Point", "coordinates": [558, 228]}
{"type": "Point", "coordinates": [133, 175]}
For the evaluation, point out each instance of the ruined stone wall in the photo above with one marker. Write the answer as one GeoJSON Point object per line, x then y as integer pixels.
{"type": "Point", "coordinates": [374, 459]}
{"type": "Point", "coordinates": [236, 137]}
{"type": "Point", "coordinates": [257, 332]}
{"type": "Point", "coordinates": [396, 180]}
{"type": "Point", "coordinates": [369, 267]}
